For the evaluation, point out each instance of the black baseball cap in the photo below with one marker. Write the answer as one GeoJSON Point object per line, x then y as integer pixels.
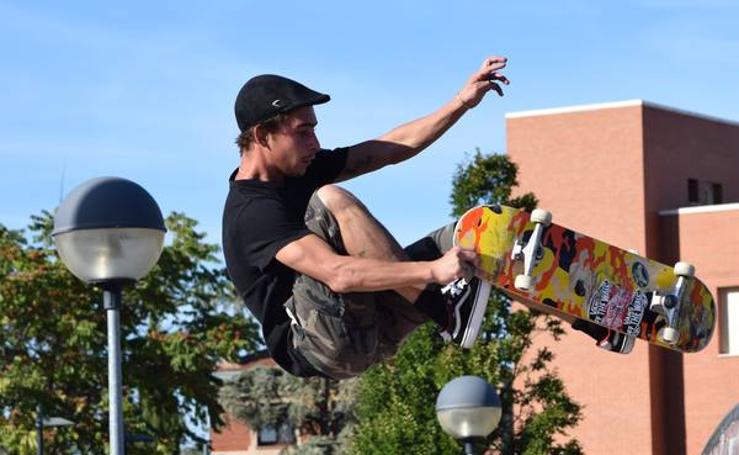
{"type": "Point", "coordinates": [267, 95]}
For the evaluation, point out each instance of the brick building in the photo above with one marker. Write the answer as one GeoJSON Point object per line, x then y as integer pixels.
{"type": "Point", "coordinates": [666, 183]}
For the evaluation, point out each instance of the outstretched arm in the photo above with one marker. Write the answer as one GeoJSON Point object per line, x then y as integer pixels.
{"type": "Point", "coordinates": [411, 138]}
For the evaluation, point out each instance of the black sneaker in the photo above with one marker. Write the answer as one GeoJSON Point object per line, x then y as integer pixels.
{"type": "Point", "coordinates": [467, 303]}
{"type": "Point", "coordinates": [617, 342]}
{"type": "Point", "coordinates": [610, 340]}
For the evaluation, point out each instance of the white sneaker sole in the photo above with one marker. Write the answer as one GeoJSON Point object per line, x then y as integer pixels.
{"type": "Point", "coordinates": [479, 305]}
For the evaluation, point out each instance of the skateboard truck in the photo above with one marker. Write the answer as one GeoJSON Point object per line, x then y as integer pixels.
{"type": "Point", "coordinates": [668, 305]}
{"type": "Point", "coordinates": [541, 219]}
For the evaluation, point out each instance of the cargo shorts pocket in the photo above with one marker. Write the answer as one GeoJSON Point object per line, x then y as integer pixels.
{"type": "Point", "coordinates": [338, 334]}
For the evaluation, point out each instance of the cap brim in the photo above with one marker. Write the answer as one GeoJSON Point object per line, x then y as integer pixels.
{"type": "Point", "coordinates": [313, 101]}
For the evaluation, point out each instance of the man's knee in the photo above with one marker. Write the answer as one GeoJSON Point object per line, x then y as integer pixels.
{"type": "Point", "coordinates": [433, 246]}
{"type": "Point", "coordinates": [338, 200]}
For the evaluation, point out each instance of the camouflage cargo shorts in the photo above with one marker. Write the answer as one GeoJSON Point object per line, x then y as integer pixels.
{"type": "Point", "coordinates": [341, 335]}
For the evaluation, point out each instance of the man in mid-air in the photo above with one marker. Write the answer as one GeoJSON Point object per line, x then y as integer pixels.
{"type": "Point", "coordinates": [333, 290]}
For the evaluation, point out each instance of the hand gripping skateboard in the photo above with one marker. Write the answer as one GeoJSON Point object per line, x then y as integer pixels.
{"type": "Point", "coordinates": [553, 269]}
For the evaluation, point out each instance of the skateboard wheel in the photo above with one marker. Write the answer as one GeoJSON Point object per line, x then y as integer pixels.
{"type": "Point", "coordinates": [541, 216]}
{"type": "Point", "coordinates": [669, 335]}
{"type": "Point", "coordinates": [524, 282]}
{"type": "Point", "coordinates": [684, 269]}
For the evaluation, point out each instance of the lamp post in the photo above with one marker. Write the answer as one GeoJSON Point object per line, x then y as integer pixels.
{"type": "Point", "coordinates": [468, 409]}
{"type": "Point", "coordinates": [109, 231]}
{"type": "Point", "coordinates": [42, 423]}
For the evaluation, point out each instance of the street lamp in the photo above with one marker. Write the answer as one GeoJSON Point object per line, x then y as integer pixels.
{"type": "Point", "coordinates": [42, 423]}
{"type": "Point", "coordinates": [109, 231]}
{"type": "Point", "coordinates": [468, 409]}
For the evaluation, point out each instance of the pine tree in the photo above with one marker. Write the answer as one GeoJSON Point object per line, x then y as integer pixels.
{"type": "Point", "coordinates": [320, 410]}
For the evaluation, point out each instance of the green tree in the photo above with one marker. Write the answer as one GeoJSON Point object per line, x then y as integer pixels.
{"type": "Point", "coordinates": [176, 324]}
{"type": "Point", "coordinates": [320, 408]}
{"type": "Point", "coordinates": [396, 400]}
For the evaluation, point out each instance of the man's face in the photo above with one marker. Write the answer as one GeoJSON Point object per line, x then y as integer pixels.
{"type": "Point", "coordinates": [295, 144]}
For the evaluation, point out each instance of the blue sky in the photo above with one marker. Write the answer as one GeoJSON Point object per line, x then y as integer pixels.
{"type": "Point", "coordinates": [145, 90]}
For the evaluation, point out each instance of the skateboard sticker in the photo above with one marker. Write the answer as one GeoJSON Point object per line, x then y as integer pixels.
{"type": "Point", "coordinates": [640, 274]}
{"type": "Point", "coordinates": [635, 313]}
{"type": "Point", "coordinates": [617, 308]}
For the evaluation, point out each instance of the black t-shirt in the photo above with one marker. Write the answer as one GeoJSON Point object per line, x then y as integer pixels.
{"type": "Point", "coordinates": [258, 220]}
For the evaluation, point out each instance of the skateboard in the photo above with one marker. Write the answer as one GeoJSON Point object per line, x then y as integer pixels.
{"type": "Point", "coordinates": [554, 269]}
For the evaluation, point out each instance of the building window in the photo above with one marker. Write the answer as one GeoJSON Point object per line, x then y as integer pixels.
{"type": "Point", "coordinates": [693, 191]}
{"type": "Point", "coordinates": [276, 434]}
{"type": "Point", "coordinates": [704, 193]}
{"type": "Point", "coordinates": [718, 193]}
{"type": "Point", "coordinates": [729, 321]}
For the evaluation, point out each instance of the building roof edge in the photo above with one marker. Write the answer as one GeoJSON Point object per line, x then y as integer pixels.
{"type": "Point", "coordinates": [615, 105]}
{"type": "Point", "coordinates": [701, 209]}
{"type": "Point", "coordinates": [575, 108]}
{"type": "Point", "coordinates": [675, 110]}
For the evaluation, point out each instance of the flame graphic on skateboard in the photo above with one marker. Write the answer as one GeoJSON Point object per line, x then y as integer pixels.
{"type": "Point", "coordinates": [576, 276]}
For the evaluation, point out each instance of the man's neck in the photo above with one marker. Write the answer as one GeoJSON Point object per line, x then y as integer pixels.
{"type": "Point", "coordinates": [254, 167]}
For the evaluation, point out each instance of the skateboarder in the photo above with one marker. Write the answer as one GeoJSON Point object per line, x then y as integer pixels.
{"type": "Point", "coordinates": [333, 290]}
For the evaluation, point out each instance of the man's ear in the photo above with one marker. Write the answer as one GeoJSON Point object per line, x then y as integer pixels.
{"type": "Point", "coordinates": [260, 135]}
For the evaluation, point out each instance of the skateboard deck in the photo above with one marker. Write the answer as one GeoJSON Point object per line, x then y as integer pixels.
{"type": "Point", "coordinates": [573, 276]}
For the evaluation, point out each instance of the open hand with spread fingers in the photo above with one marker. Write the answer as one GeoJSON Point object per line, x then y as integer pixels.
{"type": "Point", "coordinates": [485, 79]}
